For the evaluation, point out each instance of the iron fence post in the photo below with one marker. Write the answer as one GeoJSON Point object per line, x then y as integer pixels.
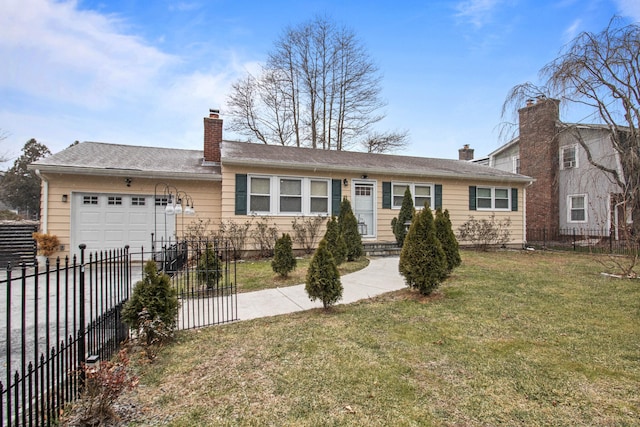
{"type": "Point", "coordinates": [81, 329]}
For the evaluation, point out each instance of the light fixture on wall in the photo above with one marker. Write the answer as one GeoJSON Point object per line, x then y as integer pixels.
{"type": "Point", "coordinates": [65, 198]}
{"type": "Point", "coordinates": [345, 182]}
{"type": "Point", "coordinates": [128, 182]}
{"type": "Point", "coordinates": [364, 177]}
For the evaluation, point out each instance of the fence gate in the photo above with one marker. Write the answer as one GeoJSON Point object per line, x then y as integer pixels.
{"type": "Point", "coordinates": [203, 273]}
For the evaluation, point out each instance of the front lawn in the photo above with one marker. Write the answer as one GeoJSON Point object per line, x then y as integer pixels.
{"type": "Point", "coordinates": [512, 338]}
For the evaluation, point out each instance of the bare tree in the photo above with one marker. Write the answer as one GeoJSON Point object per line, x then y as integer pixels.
{"type": "Point", "coordinates": [385, 142]}
{"type": "Point", "coordinates": [4, 157]}
{"type": "Point", "coordinates": [318, 88]}
{"type": "Point", "coordinates": [600, 72]}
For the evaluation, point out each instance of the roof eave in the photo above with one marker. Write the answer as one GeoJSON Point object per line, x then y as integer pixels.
{"type": "Point", "coordinates": [74, 170]}
{"type": "Point", "coordinates": [338, 168]}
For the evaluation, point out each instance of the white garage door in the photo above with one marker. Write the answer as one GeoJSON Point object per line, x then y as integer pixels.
{"type": "Point", "coordinates": [111, 221]}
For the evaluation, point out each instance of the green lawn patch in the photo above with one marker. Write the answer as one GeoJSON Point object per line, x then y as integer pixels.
{"type": "Point", "coordinates": [511, 338]}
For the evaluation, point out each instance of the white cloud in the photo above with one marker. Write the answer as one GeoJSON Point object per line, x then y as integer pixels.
{"type": "Point", "coordinates": [572, 31]}
{"type": "Point", "coordinates": [630, 8]}
{"type": "Point", "coordinates": [478, 12]}
{"type": "Point", "coordinates": [54, 50]}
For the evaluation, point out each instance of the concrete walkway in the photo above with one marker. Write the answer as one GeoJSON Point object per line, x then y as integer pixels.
{"type": "Point", "coordinates": [379, 277]}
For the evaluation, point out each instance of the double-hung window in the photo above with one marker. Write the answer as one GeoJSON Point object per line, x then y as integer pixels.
{"type": "Point", "coordinates": [492, 198]}
{"type": "Point", "coordinates": [319, 196]}
{"type": "Point", "coordinates": [290, 195]}
{"type": "Point", "coordinates": [568, 157]}
{"type": "Point", "coordinates": [421, 193]}
{"type": "Point", "coordinates": [260, 194]}
{"type": "Point", "coordinates": [576, 205]}
{"type": "Point", "coordinates": [284, 195]}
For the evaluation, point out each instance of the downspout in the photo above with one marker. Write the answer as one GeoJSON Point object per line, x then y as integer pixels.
{"type": "Point", "coordinates": [44, 219]}
{"type": "Point", "coordinates": [524, 212]}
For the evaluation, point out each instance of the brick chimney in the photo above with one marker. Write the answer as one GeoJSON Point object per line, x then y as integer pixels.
{"type": "Point", "coordinates": [212, 136]}
{"type": "Point", "coordinates": [465, 153]}
{"type": "Point", "coordinates": [538, 130]}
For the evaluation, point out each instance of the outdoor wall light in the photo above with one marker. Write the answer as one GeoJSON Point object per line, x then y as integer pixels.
{"type": "Point", "coordinates": [128, 182]}
{"type": "Point", "coordinates": [364, 176]}
{"type": "Point", "coordinates": [345, 182]}
{"type": "Point", "coordinates": [65, 198]}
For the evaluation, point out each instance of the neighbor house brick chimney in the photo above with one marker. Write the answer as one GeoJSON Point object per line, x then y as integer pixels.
{"type": "Point", "coordinates": [538, 129]}
{"type": "Point", "coordinates": [212, 136]}
{"type": "Point", "coordinates": [465, 153]}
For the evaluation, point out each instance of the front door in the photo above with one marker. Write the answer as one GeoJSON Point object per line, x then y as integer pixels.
{"type": "Point", "coordinates": [364, 204]}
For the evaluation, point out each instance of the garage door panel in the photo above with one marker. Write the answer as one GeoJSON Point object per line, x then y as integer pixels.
{"type": "Point", "coordinates": [114, 218]}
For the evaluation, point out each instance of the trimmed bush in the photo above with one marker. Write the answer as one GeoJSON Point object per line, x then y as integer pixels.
{"type": "Point", "coordinates": [323, 279]}
{"type": "Point", "coordinates": [444, 233]}
{"type": "Point", "coordinates": [422, 261]}
{"type": "Point", "coordinates": [406, 215]}
{"type": "Point", "coordinates": [209, 269]}
{"type": "Point", "coordinates": [153, 295]}
{"type": "Point", "coordinates": [349, 229]}
{"type": "Point", "coordinates": [283, 260]}
{"type": "Point", "coordinates": [335, 241]}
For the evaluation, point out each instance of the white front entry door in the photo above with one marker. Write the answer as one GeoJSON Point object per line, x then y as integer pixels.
{"type": "Point", "coordinates": [364, 207]}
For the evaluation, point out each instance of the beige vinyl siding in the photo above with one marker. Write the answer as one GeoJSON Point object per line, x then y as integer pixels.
{"type": "Point", "coordinates": [205, 194]}
{"type": "Point", "coordinates": [455, 198]}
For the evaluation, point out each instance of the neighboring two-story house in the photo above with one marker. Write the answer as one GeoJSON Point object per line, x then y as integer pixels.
{"type": "Point", "coordinates": [569, 194]}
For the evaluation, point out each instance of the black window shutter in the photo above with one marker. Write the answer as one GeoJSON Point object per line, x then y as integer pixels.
{"type": "Point", "coordinates": [472, 197]}
{"type": "Point", "coordinates": [438, 201]}
{"type": "Point", "coordinates": [336, 196]}
{"type": "Point", "coordinates": [386, 195]}
{"type": "Point", "coordinates": [514, 199]}
{"type": "Point", "coordinates": [241, 194]}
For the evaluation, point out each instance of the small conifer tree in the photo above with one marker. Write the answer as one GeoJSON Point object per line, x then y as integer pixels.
{"type": "Point", "coordinates": [283, 260]}
{"type": "Point", "coordinates": [335, 241]}
{"type": "Point", "coordinates": [444, 233]}
{"type": "Point", "coordinates": [422, 260]}
{"type": "Point", "coordinates": [349, 229]}
{"type": "Point", "coordinates": [209, 271]}
{"type": "Point", "coordinates": [153, 295]}
{"type": "Point", "coordinates": [406, 215]}
{"type": "Point", "coordinates": [323, 279]}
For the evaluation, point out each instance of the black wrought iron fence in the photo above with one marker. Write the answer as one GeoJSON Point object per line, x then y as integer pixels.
{"type": "Point", "coordinates": [581, 240]}
{"type": "Point", "coordinates": [54, 317]}
{"type": "Point", "coordinates": [203, 273]}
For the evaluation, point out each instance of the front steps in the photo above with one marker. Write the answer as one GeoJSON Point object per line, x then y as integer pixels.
{"type": "Point", "coordinates": [381, 249]}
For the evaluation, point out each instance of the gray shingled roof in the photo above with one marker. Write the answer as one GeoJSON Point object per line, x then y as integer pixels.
{"type": "Point", "coordinates": [244, 153]}
{"type": "Point", "coordinates": [98, 158]}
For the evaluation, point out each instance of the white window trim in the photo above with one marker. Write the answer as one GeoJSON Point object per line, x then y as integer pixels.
{"type": "Point", "coordinates": [575, 162]}
{"type": "Point", "coordinates": [515, 160]}
{"type": "Point", "coordinates": [586, 211]}
{"type": "Point", "coordinates": [493, 199]}
{"type": "Point", "coordinates": [274, 196]}
{"type": "Point", "coordinates": [412, 188]}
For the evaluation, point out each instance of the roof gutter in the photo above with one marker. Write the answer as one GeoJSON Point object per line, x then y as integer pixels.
{"type": "Point", "coordinates": [74, 170]}
{"type": "Point", "coordinates": [44, 219]}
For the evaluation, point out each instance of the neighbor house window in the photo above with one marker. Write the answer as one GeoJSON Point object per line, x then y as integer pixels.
{"type": "Point", "coordinates": [577, 208]}
{"type": "Point", "coordinates": [260, 194]}
{"type": "Point", "coordinates": [493, 198]}
{"type": "Point", "coordinates": [568, 156]}
{"type": "Point", "coordinates": [516, 164]}
{"type": "Point", "coordinates": [421, 193]}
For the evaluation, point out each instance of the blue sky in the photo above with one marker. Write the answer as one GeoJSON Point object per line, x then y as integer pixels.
{"type": "Point", "coordinates": [144, 72]}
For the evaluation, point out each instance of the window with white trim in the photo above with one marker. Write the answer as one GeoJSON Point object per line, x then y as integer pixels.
{"type": "Point", "coordinates": [493, 198]}
{"type": "Point", "coordinates": [577, 208]}
{"type": "Point", "coordinates": [421, 193]}
{"type": "Point", "coordinates": [284, 195]}
{"type": "Point", "coordinates": [260, 194]}
{"type": "Point", "coordinates": [138, 201]}
{"type": "Point", "coordinates": [89, 200]}
{"type": "Point", "coordinates": [568, 157]}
